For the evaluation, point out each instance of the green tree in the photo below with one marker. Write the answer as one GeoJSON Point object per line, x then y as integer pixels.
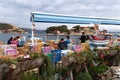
{"type": "Point", "coordinates": [78, 28]}
{"type": "Point", "coordinates": [61, 28]}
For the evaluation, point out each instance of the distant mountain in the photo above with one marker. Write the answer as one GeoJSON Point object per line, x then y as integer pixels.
{"type": "Point", "coordinates": [8, 28]}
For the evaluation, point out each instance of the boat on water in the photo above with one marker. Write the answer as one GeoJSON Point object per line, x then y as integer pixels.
{"type": "Point", "coordinates": [98, 42]}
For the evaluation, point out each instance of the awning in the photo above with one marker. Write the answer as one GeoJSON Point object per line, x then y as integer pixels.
{"type": "Point", "coordinates": [51, 18]}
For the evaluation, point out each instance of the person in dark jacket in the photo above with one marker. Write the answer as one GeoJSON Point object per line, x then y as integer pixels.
{"type": "Point", "coordinates": [62, 44]}
{"type": "Point", "coordinates": [10, 40]}
{"type": "Point", "coordinates": [83, 38]}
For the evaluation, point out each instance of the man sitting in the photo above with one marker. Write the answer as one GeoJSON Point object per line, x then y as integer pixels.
{"type": "Point", "coordinates": [62, 45]}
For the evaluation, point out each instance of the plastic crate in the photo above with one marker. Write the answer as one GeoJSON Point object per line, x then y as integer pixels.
{"type": "Point", "coordinates": [56, 55]}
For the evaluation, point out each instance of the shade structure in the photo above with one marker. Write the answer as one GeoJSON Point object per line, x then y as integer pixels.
{"type": "Point", "coordinates": [53, 18]}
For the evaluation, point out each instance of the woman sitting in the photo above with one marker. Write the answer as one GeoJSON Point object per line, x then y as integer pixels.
{"type": "Point", "coordinates": [15, 41]}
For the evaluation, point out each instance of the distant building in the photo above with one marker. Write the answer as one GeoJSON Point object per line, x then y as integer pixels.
{"type": "Point", "coordinates": [86, 29]}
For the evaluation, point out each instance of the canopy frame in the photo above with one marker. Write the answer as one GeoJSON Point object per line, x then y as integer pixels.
{"type": "Point", "coordinates": [54, 18]}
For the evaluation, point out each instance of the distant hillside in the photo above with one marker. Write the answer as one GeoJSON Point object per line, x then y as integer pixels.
{"type": "Point", "coordinates": [8, 28]}
{"type": "Point", "coordinates": [5, 26]}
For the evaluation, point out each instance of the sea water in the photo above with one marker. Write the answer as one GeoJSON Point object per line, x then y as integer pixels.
{"type": "Point", "coordinates": [44, 36]}
{"type": "Point", "coordinates": [5, 37]}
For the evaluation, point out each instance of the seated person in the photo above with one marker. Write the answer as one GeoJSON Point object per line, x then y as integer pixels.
{"type": "Point", "coordinates": [62, 45]}
{"type": "Point", "coordinates": [9, 41]}
{"type": "Point", "coordinates": [15, 41]}
{"type": "Point", "coordinates": [68, 40]}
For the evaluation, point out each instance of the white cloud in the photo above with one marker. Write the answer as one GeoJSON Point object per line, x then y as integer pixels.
{"type": "Point", "coordinates": [18, 11]}
{"type": "Point", "coordinates": [110, 28]}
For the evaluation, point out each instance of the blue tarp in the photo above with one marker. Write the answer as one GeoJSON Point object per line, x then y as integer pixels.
{"type": "Point", "coordinates": [50, 18]}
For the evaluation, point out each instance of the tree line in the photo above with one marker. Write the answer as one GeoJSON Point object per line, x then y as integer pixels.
{"type": "Point", "coordinates": [64, 29]}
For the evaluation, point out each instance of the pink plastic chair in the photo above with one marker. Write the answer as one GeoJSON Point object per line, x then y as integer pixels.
{"type": "Point", "coordinates": [46, 49]}
{"type": "Point", "coordinates": [77, 48]}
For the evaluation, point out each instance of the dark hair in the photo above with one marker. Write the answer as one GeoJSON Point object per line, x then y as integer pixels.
{"type": "Point", "coordinates": [68, 37]}
{"type": "Point", "coordinates": [17, 37]}
{"type": "Point", "coordinates": [11, 38]}
{"type": "Point", "coordinates": [62, 39]}
{"type": "Point", "coordinates": [83, 33]}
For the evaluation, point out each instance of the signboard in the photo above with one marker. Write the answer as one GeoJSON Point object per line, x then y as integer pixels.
{"type": "Point", "coordinates": [9, 49]}
{"type": "Point", "coordinates": [10, 52]}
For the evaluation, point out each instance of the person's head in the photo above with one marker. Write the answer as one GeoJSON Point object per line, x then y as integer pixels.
{"type": "Point", "coordinates": [11, 38]}
{"type": "Point", "coordinates": [83, 33]}
{"type": "Point", "coordinates": [17, 37]}
{"type": "Point", "coordinates": [62, 39]}
{"type": "Point", "coordinates": [68, 37]}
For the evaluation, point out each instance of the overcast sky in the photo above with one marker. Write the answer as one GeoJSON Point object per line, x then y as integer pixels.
{"type": "Point", "coordinates": [17, 12]}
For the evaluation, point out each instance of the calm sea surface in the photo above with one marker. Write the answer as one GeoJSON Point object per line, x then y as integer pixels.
{"type": "Point", "coordinates": [5, 37]}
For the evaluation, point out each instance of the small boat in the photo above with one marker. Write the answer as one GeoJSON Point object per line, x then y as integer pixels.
{"type": "Point", "coordinates": [98, 42]}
